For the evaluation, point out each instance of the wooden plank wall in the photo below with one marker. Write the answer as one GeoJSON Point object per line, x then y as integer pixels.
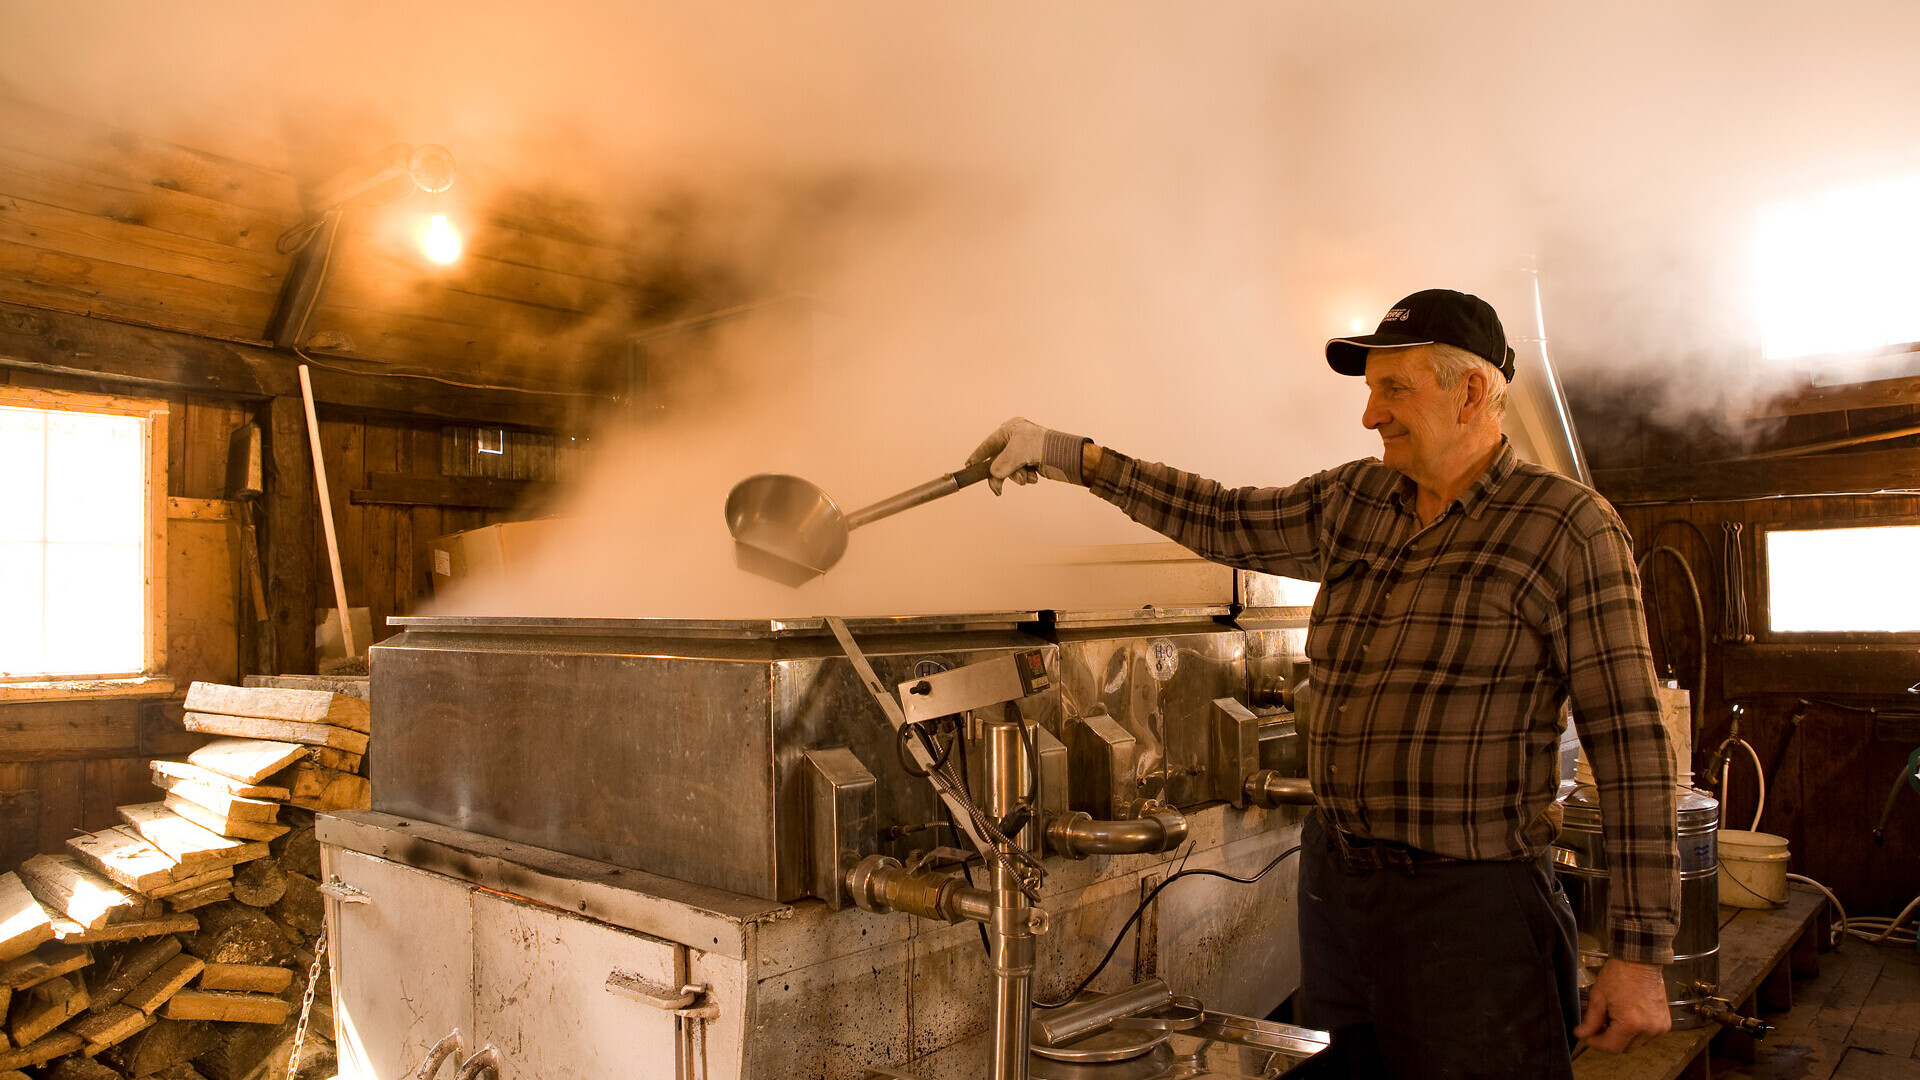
{"type": "Point", "coordinates": [1828, 774]}
{"type": "Point", "coordinates": [64, 766]}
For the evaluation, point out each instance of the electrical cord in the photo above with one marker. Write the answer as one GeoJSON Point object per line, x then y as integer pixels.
{"type": "Point", "coordinates": [1141, 909]}
{"type": "Point", "coordinates": [1890, 932]}
{"type": "Point", "coordinates": [403, 373]}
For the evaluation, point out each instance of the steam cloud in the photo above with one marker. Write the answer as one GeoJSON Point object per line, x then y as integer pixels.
{"type": "Point", "coordinates": [1132, 220]}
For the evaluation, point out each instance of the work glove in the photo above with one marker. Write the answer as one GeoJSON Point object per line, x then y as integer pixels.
{"type": "Point", "coordinates": [1023, 451]}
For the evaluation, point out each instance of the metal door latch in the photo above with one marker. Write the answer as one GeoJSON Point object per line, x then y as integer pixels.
{"type": "Point", "coordinates": [343, 892]}
{"type": "Point", "coordinates": [687, 1001]}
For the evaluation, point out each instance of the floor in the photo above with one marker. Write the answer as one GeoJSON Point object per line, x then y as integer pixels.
{"type": "Point", "coordinates": [1859, 1019]}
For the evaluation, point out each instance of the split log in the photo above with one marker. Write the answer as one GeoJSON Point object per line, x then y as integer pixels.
{"type": "Point", "coordinates": [73, 933]}
{"type": "Point", "coordinates": [293, 731]}
{"type": "Point", "coordinates": [162, 985]}
{"type": "Point", "coordinates": [110, 1027]}
{"type": "Point", "coordinates": [233, 933]}
{"type": "Point", "coordinates": [227, 1006]}
{"type": "Point", "coordinates": [260, 883]}
{"type": "Point", "coordinates": [299, 850]}
{"type": "Point", "coordinates": [272, 703]}
{"type": "Point", "coordinates": [24, 924]}
{"type": "Point", "coordinates": [182, 1071]}
{"type": "Point", "coordinates": [167, 1043]}
{"type": "Point", "coordinates": [195, 848]}
{"type": "Point", "coordinates": [81, 1068]}
{"type": "Point", "coordinates": [246, 761]}
{"type": "Point", "coordinates": [43, 1050]}
{"type": "Point", "coordinates": [253, 978]}
{"type": "Point", "coordinates": [216, 876]}
{"type": "Point", "coordinates": [302, 908]}
{"type": "Point", "coordinates": [84, 897]}
{"type": "Point", "coordinates": [317, 788]}
{"type": "Point", "coordinates": [45, 963]}
{"type": "Point", "coordinates": [359, 686]}
{"type": "Point", "coordinates": [126, 858]}
{"type": "Point", "coordinates": [257, 1052]}
{"type": "Point", "coordinates": [186, 772]}
{"type": "Point", "coordinates": [16, 1074]}
{"type": "Point", "coordinates": [45, 1007]}
{"type": "Point", "coordinates": [129, 968]}
{"type": "Point", "coordinates": [222, 824]}
{"type": "Point", "coordinates": [221, 801]}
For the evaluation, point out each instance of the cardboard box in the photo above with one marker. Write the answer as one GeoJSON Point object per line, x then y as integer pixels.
{"type": "Point", "coordinates": [489, 553]}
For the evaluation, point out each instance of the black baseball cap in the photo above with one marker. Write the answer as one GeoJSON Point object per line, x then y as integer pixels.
{"type": "Point", "coordinates": [1430, 317]}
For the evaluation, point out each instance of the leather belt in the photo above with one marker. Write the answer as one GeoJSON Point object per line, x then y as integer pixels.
{"type": "Point", "coordinates": [1360, 853]}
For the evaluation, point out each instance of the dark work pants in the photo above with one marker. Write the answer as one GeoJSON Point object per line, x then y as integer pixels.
{"type": "Point", "coordinates": [1462, 969]}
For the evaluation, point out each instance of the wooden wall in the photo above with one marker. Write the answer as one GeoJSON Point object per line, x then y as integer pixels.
{"type": "Point", "coordinates": [1679, 486]}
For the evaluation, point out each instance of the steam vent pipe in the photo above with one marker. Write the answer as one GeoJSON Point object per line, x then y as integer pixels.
{"type": "Point", "coordinates": [1078, 835]}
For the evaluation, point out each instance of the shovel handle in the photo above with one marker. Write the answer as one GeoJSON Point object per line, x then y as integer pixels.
{"type": "Point", "coordinates": [925, 493]}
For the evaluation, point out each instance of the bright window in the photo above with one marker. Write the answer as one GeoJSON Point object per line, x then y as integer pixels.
{"type": "Point", "coordinates": [1837, 272]}
{"type": "Point", "coordinates": [1844, 580]}
{"type": "Point", "coordinates": [82, 490]}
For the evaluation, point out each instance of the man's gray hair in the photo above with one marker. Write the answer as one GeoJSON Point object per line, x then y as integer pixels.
{"type": "Point", "coordinates": [1450, 364]}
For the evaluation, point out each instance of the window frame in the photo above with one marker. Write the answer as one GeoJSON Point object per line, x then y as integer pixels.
{"type": "Point", "coordinates": [1764, 584]}
{"type": "Point", "coordinates": [152, 678]}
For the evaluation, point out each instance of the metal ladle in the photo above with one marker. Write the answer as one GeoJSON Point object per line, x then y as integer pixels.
{"type": "Point", "coordinates": [787, 529]}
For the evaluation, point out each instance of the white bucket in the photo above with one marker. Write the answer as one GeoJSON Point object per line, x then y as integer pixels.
{"type": "Point", "coordinates": [1753, 868]}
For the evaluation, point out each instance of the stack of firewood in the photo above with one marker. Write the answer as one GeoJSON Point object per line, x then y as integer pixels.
{"type": "Point", "coordinates": [178, 944]}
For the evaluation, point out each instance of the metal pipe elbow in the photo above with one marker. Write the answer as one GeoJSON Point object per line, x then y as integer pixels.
{"type": "Point", "coordinates": [1269, 789]}
{"type": "Point", "coordinates": [449, 1046]}
{"type": "Point", "coordinates": [486, 1061]}
{"type": "Point", "coordinates": [1078, 835]}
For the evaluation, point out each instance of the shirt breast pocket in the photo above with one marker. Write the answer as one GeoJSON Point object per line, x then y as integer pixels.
{"type": "Point", "coordinates": [1337, 614]}
{"type": "Point", "coordinates": [1482, 627]}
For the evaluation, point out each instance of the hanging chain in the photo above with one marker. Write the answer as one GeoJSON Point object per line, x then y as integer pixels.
{"type": "Point", "coordinates": [306, 1003]}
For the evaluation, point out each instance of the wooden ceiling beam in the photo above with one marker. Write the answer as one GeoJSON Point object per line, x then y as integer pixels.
{"type": "Point", "coordinates": [1812, 474]}
{"type": "Point", "coordinates": [61, 343]}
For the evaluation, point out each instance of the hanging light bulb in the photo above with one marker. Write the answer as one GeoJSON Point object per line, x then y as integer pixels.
{"type": "Point", "coordinates": [440, 242]}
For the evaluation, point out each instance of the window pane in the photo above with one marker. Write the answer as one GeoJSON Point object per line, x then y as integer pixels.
{"type": "Point", "coordinates": [1839, 580]}
{"type": "Point", "coordinates": [96, 478]}
{"type": "Point", "coordinates": [23, 466]}
{"type": "Point", "coordinates": [95, 611]}
{"type": "Point", "coordinates": [1836, 271]}
{"type": "Point", "coordinates": [20, 592]}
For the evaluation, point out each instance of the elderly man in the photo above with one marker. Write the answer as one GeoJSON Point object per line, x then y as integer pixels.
{"type": "Point", "coordinates": [1464, 596]}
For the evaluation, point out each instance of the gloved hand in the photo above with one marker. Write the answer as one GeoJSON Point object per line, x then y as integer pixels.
{"type": "Point", "coordinates": [1023, 451]}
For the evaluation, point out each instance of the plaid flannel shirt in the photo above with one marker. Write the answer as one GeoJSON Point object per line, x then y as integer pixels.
{"type": "Point", "coordinates": [1441, 655]}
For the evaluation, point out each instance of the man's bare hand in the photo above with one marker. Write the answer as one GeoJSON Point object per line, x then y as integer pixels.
{"type": "Point", "coordinates": [1626, 1006]}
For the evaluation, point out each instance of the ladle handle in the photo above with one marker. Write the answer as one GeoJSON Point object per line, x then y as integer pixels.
{"type": "Point", "coordinates": [925, 493]}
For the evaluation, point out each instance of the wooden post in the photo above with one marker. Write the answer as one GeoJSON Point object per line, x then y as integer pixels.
{"type": "Point", "coordinates": [290, 509]}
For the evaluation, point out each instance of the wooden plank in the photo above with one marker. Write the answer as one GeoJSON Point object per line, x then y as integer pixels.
{"type": "Point", "coordinates": [317, 788]}
{"type": "Point", "coordinates": [24, 923]}
{"type": "Point", "coordinates": [245, 761]}
{"type": "Point", "coordinates": [222, 803]}
{"type": "Point", "coordinates": [350, 685]}
{"type": "Point", "coordinates": [230, 1007]}
{"type": "Point", "coordinates": [77, 187]}
{"type": "Point", "coordinates": [67, 730]}
{"type": "Point", "coordinates": [198, 881]}
{"type": "Point", "coordinates": [1874, 470]}
{"type": "Point", "coordinates": [252, 978]}
{"type": "Point", "coordinates": [172, 977]}
{"type": "Point", "coordinates": [195, 899]}
{"type": "Point", "coordinates": [273, 703]}
{"type": "Point", "coordinates": [221, 824]}
{"type": "Point", "coordinates": [328, 757]}
{"type": "Point", "coordinates": [1818, 669]}
{"type": "Point", "coordinates": [127, 931]}
{"type": "Point", "coordinates": [188, 772]}
{"type": "Point", "coordinates": [126, 858]}
{"type": "Point", "coordinates": [109, 1027]}
{"type": "Point", "coordinates": [254, 727]}
{"type": "Point", "coordinates": [195, 848]}
{"type": "Point", "coordinates": [104, 240]}
{"type": "Point", "coordinates": [48, 962]}
{"type": "Point", "coordinates": [57, 1044]}
{"type": "Point", "coordinates": [69, 889]}
{"type": "Point", "coordinates": [46, 1007]}
{"type": "Point", "coordinates": [129, 968]}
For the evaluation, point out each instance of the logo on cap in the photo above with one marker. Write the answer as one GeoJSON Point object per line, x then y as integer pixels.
{"type": "Point", "coordinates": [1398, 314]}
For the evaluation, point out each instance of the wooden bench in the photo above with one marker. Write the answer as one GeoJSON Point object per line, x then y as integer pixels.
{"type": "Point", "coordinates": [1761, 953]}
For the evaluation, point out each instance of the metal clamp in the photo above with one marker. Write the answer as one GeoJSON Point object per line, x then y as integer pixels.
{"type": "Point", "coordinates": [339, 890]}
